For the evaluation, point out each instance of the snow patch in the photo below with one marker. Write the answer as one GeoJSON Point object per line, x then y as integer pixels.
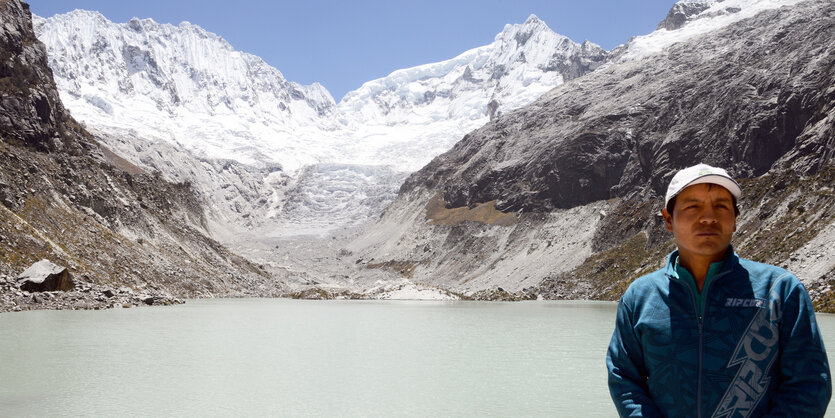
{"type": "Point", "coordinates": [718, 15]}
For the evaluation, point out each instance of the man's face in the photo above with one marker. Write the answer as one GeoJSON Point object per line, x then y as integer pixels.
{"type": "Point", "coordinates": [703, 221]}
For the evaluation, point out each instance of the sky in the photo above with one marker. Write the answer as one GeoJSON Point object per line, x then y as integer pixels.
{"type": "Point", "coordinates": [342, 44]}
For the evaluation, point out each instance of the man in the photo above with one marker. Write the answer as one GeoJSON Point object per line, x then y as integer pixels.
{"type": "Point", "coordinates": [712, 334]}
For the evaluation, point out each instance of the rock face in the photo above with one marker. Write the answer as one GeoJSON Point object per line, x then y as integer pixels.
{"type": "Point", "coordinates": [31, 113]}
{"type": "Point", "coordinates": [44, 276]}
{"type": "Point", "coordinates": [757, 97]}
{"type": "Point", "coordinates": [67, 198]}
{"type": "Point", "coordinates": [681, 12]}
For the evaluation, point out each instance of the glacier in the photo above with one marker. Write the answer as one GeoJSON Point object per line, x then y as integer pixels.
{"type": "Point", "coordinates": [274, 156]}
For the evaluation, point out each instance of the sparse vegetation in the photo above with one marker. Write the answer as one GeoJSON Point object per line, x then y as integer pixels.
{"type": "Point", "coordinates": [439, 214]}
{"type": "Point", "coordinates": [783, 212]}
{"type": "Point", "coordinates": [405, 268]}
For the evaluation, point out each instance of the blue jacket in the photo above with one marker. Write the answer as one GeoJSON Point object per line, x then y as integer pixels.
{"type": "Point", "coordinates": [748, 345]}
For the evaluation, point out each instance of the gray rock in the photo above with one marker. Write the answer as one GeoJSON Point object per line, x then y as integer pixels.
{"type": "Point", "coordinates": [44, 276]}
{"type": "Point", "coordinates": [681, 13]}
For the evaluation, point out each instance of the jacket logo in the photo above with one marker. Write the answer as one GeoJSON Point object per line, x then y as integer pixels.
{"type": "Point", "coordinates": [744, 303]}
{"type": "Point", "coordinates": [754, 355]}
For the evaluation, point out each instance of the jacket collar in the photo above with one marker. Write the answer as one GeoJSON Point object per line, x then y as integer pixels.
{"type": "Point", "coordinates": [730, 262]}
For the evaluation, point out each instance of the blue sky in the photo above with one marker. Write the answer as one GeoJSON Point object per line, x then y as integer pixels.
{"type": "Point", "coordinates": [342, 44]}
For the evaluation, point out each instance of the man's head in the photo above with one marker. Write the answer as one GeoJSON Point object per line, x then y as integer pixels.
{"type": "Point", "coordinates": [700, 209]}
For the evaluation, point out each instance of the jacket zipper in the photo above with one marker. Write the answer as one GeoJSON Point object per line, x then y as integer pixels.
{"type": "Point", "coordinates": [699, 387]}
{"type": "Point", "coordinates": [700, 312]}
{"type": "Point", "coordinates": [701, 348]}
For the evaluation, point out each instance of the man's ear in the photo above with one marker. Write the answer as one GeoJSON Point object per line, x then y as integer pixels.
{"type": "Point", "coordinates": [668, 219]}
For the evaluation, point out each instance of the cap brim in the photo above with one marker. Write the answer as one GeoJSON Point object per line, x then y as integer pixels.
{"type": "Point", "coordinates": [723, 181]}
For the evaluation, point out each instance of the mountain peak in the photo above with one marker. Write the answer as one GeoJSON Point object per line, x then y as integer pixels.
{"type": "Point", "coordinates": [139, 25]}
{"type": "Point", "coordinates": [533, 20]}
{"type": "Point", "coordinates": [681, 12]}
{"type": "Point", "coordinates": [521, 33]}
{"type": "Point", "coordinates": [90, 15]}
{"type": "Point", "coordinates": [532, 24]}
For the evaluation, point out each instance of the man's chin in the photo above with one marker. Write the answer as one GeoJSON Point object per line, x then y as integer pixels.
{"type": "Point", "coordinates": [714, 250]}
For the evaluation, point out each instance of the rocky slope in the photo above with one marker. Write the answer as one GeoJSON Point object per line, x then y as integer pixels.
{"type": "Point", "coordinates": [67, 198]}
{"type": "Point", "coordinates": [561, 197]}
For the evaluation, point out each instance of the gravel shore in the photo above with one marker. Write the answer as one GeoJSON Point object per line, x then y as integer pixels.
{"type": "Point", "coordinates": [84, 296]}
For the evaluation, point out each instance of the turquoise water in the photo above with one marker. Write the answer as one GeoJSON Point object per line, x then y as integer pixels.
{"type": "Point", "coordinates": [276, 357]}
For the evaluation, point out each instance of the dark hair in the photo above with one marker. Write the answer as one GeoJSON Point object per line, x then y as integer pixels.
{"type": "Point", "coordinates": [672, 204]}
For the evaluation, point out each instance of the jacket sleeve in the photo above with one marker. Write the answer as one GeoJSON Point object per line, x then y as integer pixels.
{"type": "Point", "coordinates": [804, 386]}
{"type": "Point", "coordinates": [627, 372]}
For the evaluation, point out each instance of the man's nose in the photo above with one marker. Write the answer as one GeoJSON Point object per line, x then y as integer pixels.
{"type": "Point", "coordinates": [708, 215]}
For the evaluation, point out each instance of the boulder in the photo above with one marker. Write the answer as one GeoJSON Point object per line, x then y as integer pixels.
{"type": "Point", "coordinates": [44, 276]}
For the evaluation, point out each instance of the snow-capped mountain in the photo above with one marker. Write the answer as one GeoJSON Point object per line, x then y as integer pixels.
{"type": "Point", "coordinates": [422, 111]}
{"type": "Point", "coordinates": [189, 86]}
{"type": "Point", "coordinates": [690, 18]}
{"type": "Point", "coordinates": [522, 63]}
{"type": "Point", "coordinates": [181, 84]}
{"type": "Point", "coordinates": [264, 151]}
{"type": "Point", "coordinates": [179, 90]}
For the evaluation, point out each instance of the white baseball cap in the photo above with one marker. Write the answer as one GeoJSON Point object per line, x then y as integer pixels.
{"type": "Point", "coordinates": [701, 173]}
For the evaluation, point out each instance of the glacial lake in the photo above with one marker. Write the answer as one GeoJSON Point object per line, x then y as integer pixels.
{"type": "Point", "coordinates": [277, 357]}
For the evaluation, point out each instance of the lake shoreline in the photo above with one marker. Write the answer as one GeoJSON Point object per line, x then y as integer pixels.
{"type": "Point", "coordinates": [85, 296]}
{"type": "Point", "coordinates": [91, 296]}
